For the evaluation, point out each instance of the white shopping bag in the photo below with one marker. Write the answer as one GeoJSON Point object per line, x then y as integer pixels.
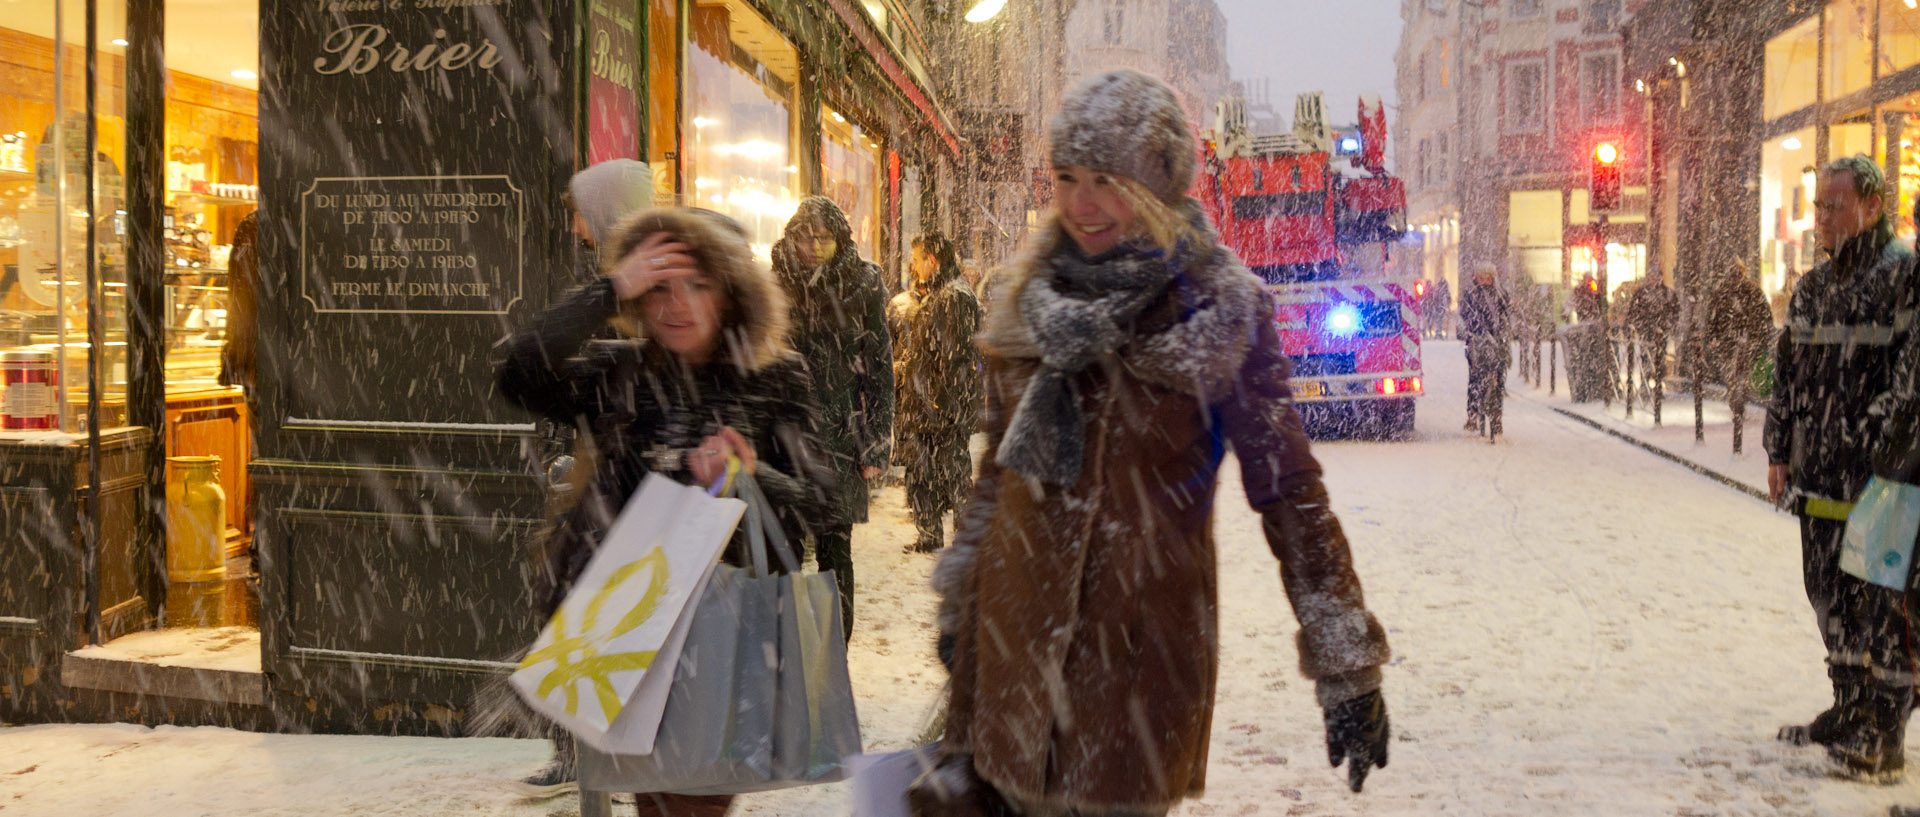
{"type": "Point", "coordinates": [603, 665]}
{"type": "Point", "coordinates": [1878, 544]}
{"type": "Point", "coordinates": [880, 782]}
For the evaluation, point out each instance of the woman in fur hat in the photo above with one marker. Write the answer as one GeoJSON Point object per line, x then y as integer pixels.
{"type": "Point", "coordinates": [711, 378]}
{"type": "Point", "coordinates": [1124, 353]}
{"type": "Point", "coordinates": [840, 328]}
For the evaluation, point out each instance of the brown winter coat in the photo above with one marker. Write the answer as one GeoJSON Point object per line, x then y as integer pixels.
{"type": "Point", "coordinates": [1085, 619]}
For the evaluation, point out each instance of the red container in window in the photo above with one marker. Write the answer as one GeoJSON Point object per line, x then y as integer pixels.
{"type": "Point", "coordinates": [27, 382]}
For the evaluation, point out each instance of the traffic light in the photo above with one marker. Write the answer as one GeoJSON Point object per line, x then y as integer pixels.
{"type": "Point", "coordinates": [1603, 185]}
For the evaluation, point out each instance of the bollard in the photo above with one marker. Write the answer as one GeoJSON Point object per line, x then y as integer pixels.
{"type": "Point", "coordinates": [1553, 364]}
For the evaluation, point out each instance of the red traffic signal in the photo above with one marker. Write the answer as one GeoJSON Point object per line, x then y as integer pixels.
{"type": "Point", "coordinates": [1603, 181]}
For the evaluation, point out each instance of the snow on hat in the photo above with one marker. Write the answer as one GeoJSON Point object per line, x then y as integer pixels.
{"type": "Point", "coordinates": [606, 193]}
{"type": "Point", "coordinates": [1130, 124]}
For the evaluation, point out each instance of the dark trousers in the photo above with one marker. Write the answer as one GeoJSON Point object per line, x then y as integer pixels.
{"type": "Point", "coordinates": [1486, 381]}
{"type": "Point", "coordinates": [1861, 623]}
{"type": "Point", "coordinates": [833, 550]}
{"type": "Point", "coordinates": [938, 473]}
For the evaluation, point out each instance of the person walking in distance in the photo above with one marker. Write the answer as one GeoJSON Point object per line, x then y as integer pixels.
{"type": "Point", "coordinates": [840, 329]}
{"type": "Point", "coordinates": [1833, 366]}
{"type": "Point", "coordinates": [1484, 316]}
{"type": "Point", "coordinates": [1078, 600]}
{"type": "Point", "coordinates": [937, 380]}
{"type": "Point", "coordinates": [1739, 324]}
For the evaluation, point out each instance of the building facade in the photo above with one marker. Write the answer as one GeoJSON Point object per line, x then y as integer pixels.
{"type": "Point", "coordinates": [386, 180]}
{"type": "Point", "coordinates": [1181, 41]}
{"type": "Point", "coordinates": [1502, 105]}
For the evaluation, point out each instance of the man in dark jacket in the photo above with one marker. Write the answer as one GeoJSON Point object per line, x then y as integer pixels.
{"type": "Point", "coordinates": [1833, 364]}
{"type": "Point", "coordinates": [840, 328]}
{"type": "Point", "coordinates": [1739, 324]}
{"type": "Point", "coordinates": [937, 378]}
{"type": "Point", "coordinates": [1484, 315]}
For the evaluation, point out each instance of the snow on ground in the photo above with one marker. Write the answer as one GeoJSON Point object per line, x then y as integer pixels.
{"type": "Point", "coordinates": [1579, 628]}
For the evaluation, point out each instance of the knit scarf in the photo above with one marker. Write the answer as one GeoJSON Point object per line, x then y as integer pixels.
{"type": "Point", "coordinates": [1079, 311]}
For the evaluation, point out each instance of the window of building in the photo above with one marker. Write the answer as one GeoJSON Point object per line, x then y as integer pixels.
{"type": "Point", "coordinates": [1787, 179]}
{"type": "Point", "coordinates": [743, 81]}
{"type": "Point", "coordinates": [1420, 79]}
{"type": "Point", "coordinates": [1849, 46]}
{"type": "Point", "coordinates": [1792, 65]}
{"type": "Point", "coordinates": [1444, 168]}
{"type": "Point", "coordinates": [1425, 162]}
{"type": "Point", "coordinates": [1603, 16]}
{"type": "Point", "coordinates": [1528, 8]}
{"type": "Point", "coordinates": [1446, 65]}
{"type": "Point", "coordinates": [1115, 20]}
{"type": "Point", "coordinates": [1899, 36]}
{"type": "Point", "coordinates": [1526, 109]}
{"type": "Point", "coordinates": [1600, 87]}
{"type": "Point", "coordinates": [850, 175]}
{"type": "Point", "coordinates": [1534, 233]}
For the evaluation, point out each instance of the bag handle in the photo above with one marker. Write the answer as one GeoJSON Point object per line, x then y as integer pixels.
{"type": "Point", "coordinates": [763, 526]}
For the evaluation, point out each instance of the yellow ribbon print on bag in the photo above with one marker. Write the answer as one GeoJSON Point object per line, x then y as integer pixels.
{"type": "Point", "coordinates": [591, 665]}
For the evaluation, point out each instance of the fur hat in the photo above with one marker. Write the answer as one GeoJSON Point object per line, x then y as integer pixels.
{"type": "Point", "coordinates": [756, 323]}
{"type": "Point", "coordinates": [1130, 124]}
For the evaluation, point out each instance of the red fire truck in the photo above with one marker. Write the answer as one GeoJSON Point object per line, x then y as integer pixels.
{"type": "Point", "coordinates": [1315, 214]}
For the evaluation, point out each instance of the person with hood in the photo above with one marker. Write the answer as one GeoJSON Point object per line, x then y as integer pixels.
{"type": "Point", "coordinates": [710, 378]}
{"type": "Point", "coordinates": [936, 379]}
{"type": "Point", "coordinates": [1485, 326]}
{"type": "Point", "coordinates": [1079, 599]}
{"type": "Point", "coordinates": [840, 329]}
{"type": "Point", "coordinates": [1833, 365]}
{"type": "Point", "coordinates": [1739, 325]}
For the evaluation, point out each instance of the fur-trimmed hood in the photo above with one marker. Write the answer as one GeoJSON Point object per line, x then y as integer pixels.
{"type": "Point", "coordinates": [756, 321]}
{"type": "Point", "coordinates": [1200, 355]}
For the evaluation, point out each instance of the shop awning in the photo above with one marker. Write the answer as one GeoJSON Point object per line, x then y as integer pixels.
{"type": "Point", "coordinates": [910, 83]}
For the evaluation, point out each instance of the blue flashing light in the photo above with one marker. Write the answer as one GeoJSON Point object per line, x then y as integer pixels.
{"type": "Point", "coordinates": [1350, 144]}
{"type": "Point", "coordinates": [1343, 320]}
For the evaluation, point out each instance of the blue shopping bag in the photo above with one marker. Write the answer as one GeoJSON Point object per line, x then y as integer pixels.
{"type": "Point", "coordinates": [1878, 546]}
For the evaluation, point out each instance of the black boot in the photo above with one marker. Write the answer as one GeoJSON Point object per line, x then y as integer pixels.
{"type": "Point", "coordinates": [1875, 751]}
{"type": "Point", "coordinates": [1839, 719]}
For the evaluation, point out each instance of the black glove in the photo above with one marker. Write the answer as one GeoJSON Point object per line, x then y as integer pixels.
{"type": "Point", "coordinates": [1357, 732]}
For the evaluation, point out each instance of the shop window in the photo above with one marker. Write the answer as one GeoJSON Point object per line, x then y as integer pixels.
{"type": "Point", "coordinates": [1528, 8]}
{"type": "Point", "coordinates": [45, 211]}
{"type": "Point", "coordinates": [1602, 17]}
{"type": "Point", "coordinates": [1849, 138]}
{"type": "Point", "coordinates": [1534, 233]}
{"type": "Point", "coordinates": [1849, 47]}
{"type": "Point", "coordinates": [743, 78]}
{"type": "Point", "coordinates": [1899, 36]}
{"type": "Point", "coordinates": [1600, 87]}
{"type": "Point", "coordinates": [850, 175]}
{"type": "Point", "coordinates": [1791, 69]}
{"type": "Point", "coordinates": [1526, 108]}
{"type": "Point", "coordinates": [1787, 181]}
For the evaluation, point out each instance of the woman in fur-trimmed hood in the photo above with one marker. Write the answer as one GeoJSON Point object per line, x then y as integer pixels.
{"type": "Point", "coordinates": [1125, 352]}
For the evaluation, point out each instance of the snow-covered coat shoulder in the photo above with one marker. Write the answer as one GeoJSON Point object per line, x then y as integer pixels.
{"type": "Point", "coordinates": [1084, 618]}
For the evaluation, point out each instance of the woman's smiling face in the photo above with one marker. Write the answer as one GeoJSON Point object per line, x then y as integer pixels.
{"type": "Point", "coordinates": [1091, 208]}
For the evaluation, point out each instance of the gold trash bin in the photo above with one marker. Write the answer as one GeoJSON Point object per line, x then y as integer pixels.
{"type": "Point", "coordinates": [196, 521]}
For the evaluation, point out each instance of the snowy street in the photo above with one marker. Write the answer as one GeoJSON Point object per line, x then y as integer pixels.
{"type": "Point", "coordinates": [1579, 628]}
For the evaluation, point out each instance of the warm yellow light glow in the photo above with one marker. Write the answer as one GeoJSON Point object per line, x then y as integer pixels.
{"type": "Point", "coordinates": [701, 122]}
{"type": "Point", "coordinates": [242, 73]}
{"type": "Point", "coordinates": [1606, 153]}
{"type": "Point", "coordinates": [985, 10]}
{"type": "Point", "coordinates": [752, 149]}
{"type": "Point", "coordinates": [1791, 143]}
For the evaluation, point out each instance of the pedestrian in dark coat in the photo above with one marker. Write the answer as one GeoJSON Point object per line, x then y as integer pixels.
{"type": "Point", "coordinates": [1652, 312]}
{"type": "Point", "coordinates": [1739, 326]}
{"type": "Point", "coordinates": [1833, 365]}
{"type": "Point", "coordinates": [1127, 351]}
{"type": "Point", "coordinates": [712, 378]}
{"type": "Point", "coordinates": [840, 329]}
{"type": "Point", "coordinates": [936, 375]}
{"type": "Point", "coordinates": [1485, 325]}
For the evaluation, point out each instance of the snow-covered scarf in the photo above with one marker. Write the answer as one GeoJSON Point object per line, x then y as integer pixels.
{"type": "Point", "coordinates": [1074, 311]}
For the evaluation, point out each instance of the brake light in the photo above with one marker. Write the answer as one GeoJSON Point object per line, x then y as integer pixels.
{"type": "Point", "coordinates": [1415, 385]}
{"type": "Point", "coordinates": [1419, 289]}
{"type": "Point", "coordinates": [1389, 386]}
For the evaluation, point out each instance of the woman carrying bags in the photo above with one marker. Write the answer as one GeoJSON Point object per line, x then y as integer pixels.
{"type": "Point", "coordinates": [711, 378]}
{"type": "Point", "coordinates": [1125, 352]}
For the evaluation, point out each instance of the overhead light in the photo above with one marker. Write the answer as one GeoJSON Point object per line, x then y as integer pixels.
{"type": "Point", "coordinates": [1791, 143]}
{"type": "Point", "coordinates": [119, 41]}
{"type": "Point", "coordinates": [242, 73]}
{"type": "Point", "coordinates": [1641, 84]}
{"type": "Point", "coordinates": [985, 10]}
{"type": "Point", "coordinates": [838, 118]}
{"type": "Point", "coordinates": [701, 122]}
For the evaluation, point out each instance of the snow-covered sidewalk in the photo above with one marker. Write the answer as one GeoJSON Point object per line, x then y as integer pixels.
{"type": "Point", "coordinates": [1674, 436]}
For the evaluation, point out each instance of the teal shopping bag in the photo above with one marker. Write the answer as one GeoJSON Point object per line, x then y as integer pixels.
{"type": "Point", "coordinates": [1878, 545]}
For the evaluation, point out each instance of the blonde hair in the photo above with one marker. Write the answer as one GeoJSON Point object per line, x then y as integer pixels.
{"type": "Point", "coordinates": [1156, 218]}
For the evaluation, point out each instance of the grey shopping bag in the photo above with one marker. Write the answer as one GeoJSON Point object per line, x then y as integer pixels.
{"type": "Point", "coordinates": [761, 698]}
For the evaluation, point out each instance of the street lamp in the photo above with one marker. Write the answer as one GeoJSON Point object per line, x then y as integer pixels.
{"type": "Point", "coordinates": [985, 10]}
